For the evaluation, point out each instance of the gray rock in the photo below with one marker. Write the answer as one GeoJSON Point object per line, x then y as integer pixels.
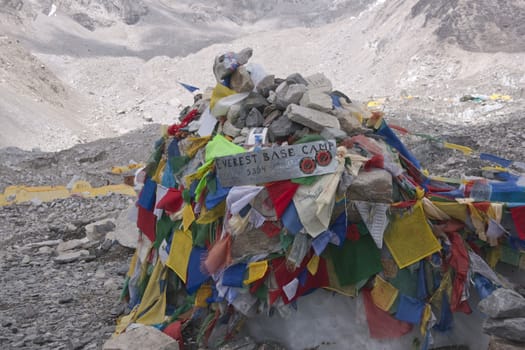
{"type": "Point", "coordinates": [281, 128]}
{"type": "Point", "coordinates": [496, 343]}
{"type": "Point", "coordinates": [254, 118]}
{"type": "Point", "coordinates": [142, 338]}
{"type": "Point", "coordinates": [349, 123]}
{"type": "Point", "coordinates": [100, 273]}
{"type": "Point", "coordinates": [311, 118]}
{"type": "Point", "coordinates": [68, 257]}
{"type": "Point", "coordinates": [270, 114]}
{"type": "Point", "coordinates": [372, 186]}
{"type": "Point", "coordinates": [26, 260]}
{"type": "Point", "coordinates": [45, 250]}
{"type": "Point", "coordinates": [503, 303]}
{"type": "Point", "coordinates": [229, 129]}
{"type": "Point", "coordinates": [241, 80]}
{"type": "Point", "coordinates": [245, 343]}
{"type": "Point", "coordinates": [72, 244]}
{"type": "Point", "coordinates": [287, 94]}
{"type": "Point", "coordinates": [296, 78]}
{"type": "Point", "coordinates": [254, 100]}
{"type": "Point", "coordinates": [48, 243]}
{"type": "Point", "coordinates": [320, 82]}
{"type": "Point", "coordinates": [239, 140]}
{"type": "Point", "coordinates": [66, 299]}
{"type": "Point", "coordinates": [98, 230]}
{"type": "Point", "coordinates": [266, 85]}
{"type": "Point", "coordinates": [508, 328]}
{"type": "Point", "coordinates": [111, 284]}
{"type": "Point", "coordinates": [317, 99]}
{"type": "Point", "coordinates": [233, 113]}
{"type": "Point", "coordinates": [332, 133]}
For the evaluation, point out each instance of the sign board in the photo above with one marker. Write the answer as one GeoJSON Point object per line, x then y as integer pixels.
{"type": "Point", "coordinates": [277, 163]}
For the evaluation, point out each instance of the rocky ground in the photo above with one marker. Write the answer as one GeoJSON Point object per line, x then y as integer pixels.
{"type": "Point", "coordinates": [54, 299]}
{"type": "Point", "coordinates": [52, 304]}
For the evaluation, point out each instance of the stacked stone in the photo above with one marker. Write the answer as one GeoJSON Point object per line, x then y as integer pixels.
{"type": "Point", "coordinates": [506, 322]}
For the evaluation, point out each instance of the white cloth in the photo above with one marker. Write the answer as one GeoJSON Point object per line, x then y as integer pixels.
{"type": "Point", "coordinates": [315, 202]}
{"type": "Point", "coordinates": [375, 219]}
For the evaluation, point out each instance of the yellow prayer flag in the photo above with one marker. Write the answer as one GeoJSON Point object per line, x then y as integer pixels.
{"type": "Point", "coordinates": [203, 293]}
{"type": "Point", "coordinates": [466, 150]}
{"type": "Point", "coordinates": [383, 294]}
{"type": "Point", "coordinates": [152, 308]}
{"type": "Point", "coordinates": [181, 245]}
{"type": "Point", "coordinates": [427, 314]}
{"type": "Point", "coordinates": [157, 177]}
{"type": "Point", "coordinates": [188, 217]}
{"type": "Point", "coordinates": [220, 91]}
{"type": "Point", "coordinates": [313, 265]}
{"type": "Point", "coordinates": [453, 209]}
{"type": "Point", "coordinates": [409, 238]}
{"type": "Point", "coordinates": [209, 216]}
{"type": "Point", "coordinates": [256, 271]}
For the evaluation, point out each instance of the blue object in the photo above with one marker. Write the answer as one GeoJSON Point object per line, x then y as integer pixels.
{"type": "Point", "coordinates": [339, 227]}
{"type": "Point", "coordinates": [483, 285]}
{"type": "Point", "coordinates": [168, 180]}
{"type": "Point", "coordinates": [195, 277]}
{"type": "Point", "coordinates": [392, 139]}
{"type": "Point", "coordinates": [173, 148]}
{"type": "Point", "coordinates": [214, 199]}
{"type": "Point", "coordinates": [422, 292]}
{"type": "Point", "coordinates": [188, 87]}
{"type": "Point", "coordinates": [409, 309]}
{"type": "Point", "coordinates": [445, 316]}
{"type": "Point", "coordinates": [320, 242]}
{"type": "Point", "coordinates": [234, 275]}
{"type": "Point", "coordinates": [291, 220]}
{"type": "Point", "coordinates": [147, 195]}
{"type": "Point", "coordinates": [495, 159]}
{"type": "Point", "coordinates": [507, 192]}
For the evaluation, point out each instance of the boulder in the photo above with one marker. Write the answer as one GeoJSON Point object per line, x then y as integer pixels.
{"type": "Point", "coordinates": [125, 232]}
{"type": "Point", "coordinates": [507, 328]}
{"type": "Point", "coordinates": [311, 118]}
{"type": "Point", "coordinates": [281, 128]}
{"type": "Point", "coordinates": [503, 303]}
{"type": "Point", "coordinates": [229, 129]}
{"type": "Point", "coordinates": [333, 134]}
{"type": "Point", "coordinates": [241, 81]}
{"type": "Point", "coordinates": [287, 94]}
{"type": "Point", "coordinates": [317, 99]}
{"type": "Point", "coordinates": [68, 257]}
{"type": "Point", "coordinates": [502, 344]}
{"type": "Point", "coordinates": [254, 119]}
{"type": "Point", "coordinates": [266, 85]}
{"type": "Point", "coordinates": [98, 230]}
{"type": "Point", "coordinates": [140, 338]}
{"type": "Point", "coordinates": [72, 244]}
{"type": "Point", "coordinates": [320, 82]}
{"type": "Point", "coordinates": [371, 186]}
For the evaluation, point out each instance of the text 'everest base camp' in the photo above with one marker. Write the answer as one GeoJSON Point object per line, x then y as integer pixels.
{"type": "Point", "coordinates": [280, 214]}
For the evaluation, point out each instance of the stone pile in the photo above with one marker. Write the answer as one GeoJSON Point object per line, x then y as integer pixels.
{"type": "Point", "coordinates": [290, 108]}
{"type": "Point", "coordinates": [219, 242]}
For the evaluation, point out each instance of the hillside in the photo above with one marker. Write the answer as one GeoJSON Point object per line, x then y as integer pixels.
{"type": "Point", "coordinates": [117, 62]}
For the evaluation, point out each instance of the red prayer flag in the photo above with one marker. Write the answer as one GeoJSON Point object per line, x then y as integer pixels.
{"type": "Point", "coordinates": [380, 323]}
{"type": "Point", "coordinates": [146, 222]}
{"type": "Point", "coordinates": [281, 193]}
